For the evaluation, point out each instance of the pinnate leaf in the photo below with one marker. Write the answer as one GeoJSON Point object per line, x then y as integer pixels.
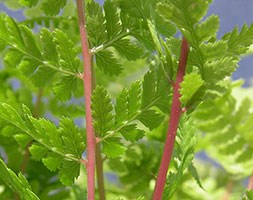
{"type": "Point", "coordinates": [113, 148]}
{"type": "Point", "coordinates": [67, 51]}
{"type": "Point", "coordinates": [191, 84]}
{"type": "Point", "coordinates": [112, 19]}
{"type": "Point", "coordinates": [65, 87]}
{"type": "Point", "coordinates": [29, 3]}
{"type": "Point", "coordinates": [134, 100]}
{"type": "Point", "coordinates": [108, 63]}
{"type": "Point", "coordinates": [150, 118]}
{"type": "Point", "coordinates": [49, 52]}
{"type": "Point", "coordinates": [17, 183]}
{"type": "Point", "coordinates": [56, 147]}
{"type": "Point", "coordinates": [239, 42]}
{"type": "Point", "coordinates": [53, 7]}
{"type": "Point", "coordinates": [149, 89]}
{"type": "Point", "coordinates": [102, 111]}
{"type": "Point", "coordinates": [208, 28]}
{"type": "Point", "coordinates": [128, 49]}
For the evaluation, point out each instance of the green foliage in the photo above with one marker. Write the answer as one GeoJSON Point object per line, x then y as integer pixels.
{"type": "Point", "coordinates": [248, 195]}
{"type": "Point", "coordinates": [17, 183]}
{"type": "Point", "coordinates": [108, 63]}
{"type": "Point", "coordinates": [56, 147]}
{"type": "Point", "coordinates": [140, 157]}
{"type": "Point", "coordinates": [112, 19]}
{"type": "Point", "coordinates": [48, 7]}
{"type": "Point", "coordinates": [229, 130]}
{"type": "Point", "coordinates": [57, 55]}
{"type": "Point", "coordinates": [184, 153]}
{"type": "Point", "coordinates": [134, 63]}
{"type": "Point", "coordinates": [238, 43]}
{"type": "Point", "coordinates": [127, 110]}
{"type": "Point", "coordinates": [190, 86]}
{"type": "Point", "coordinates": [102, 111]}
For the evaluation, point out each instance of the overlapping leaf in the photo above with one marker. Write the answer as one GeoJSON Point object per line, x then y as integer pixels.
{"type": "Point", "coordinates": [49, 7]}
{"type": "Point", "coordinates": [229, 130]}
{"type": "Point", "coordinates": [184, 152]}
{"type": "Point", "coordinates": [58, 148]}
{"type": "Point", "coordinates": [239, 42]}
{"type": "Point", "coordinates": [17, 183]}
{"type": "Point", "coordinates": [106, 29]}
{"type": "Point", "coordinates": [135, 103]}
{"type": "Point", "coordinates": [57, 55]}
{"type": "Point", "coordinates": [189, 87]}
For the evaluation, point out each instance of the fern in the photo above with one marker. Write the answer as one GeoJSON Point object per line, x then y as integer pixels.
{"type": "Point", "coordinates": [144, 90]}
{"type": "Point", "coordinates": [127, 109]}
{"type": "Point", "coordinates": [56, 148]}
{"type": "Point", "coordinates": [48, 7]}
{"type": "Point", "coordinates": [229, 138]}
{"type": "Point", "coordinates": [184, 153]}
{"type": "Point", "coordinates": [58, 55]}
{"type": "Point", "coordinates": [17, 183]}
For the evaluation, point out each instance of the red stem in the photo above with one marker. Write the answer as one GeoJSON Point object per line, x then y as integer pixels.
{"type": "Point", "coordinates": [250, 184]}
{"type": "Point", "coordinates": [87, 82]}
{"type": "Point", "coordinates": [173, 123]}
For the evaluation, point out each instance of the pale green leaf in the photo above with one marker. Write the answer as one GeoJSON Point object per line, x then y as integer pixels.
{"type": "Point", "coordinates": [69, 172]}
{"type": "Point", "coordinates": [65, 88]}
{"type": "Point", "coordinates": [134, 100]}
{"type": "Point", "coordinates": [128, 49]}
{"type": "Point", "coordinates": [108, 63]}
{"type": "Point", "coordinates": [239, 42]}
{"type": "Point", "coordinates": [31, 45]}
{"type": "Point", "coordinates": [131, 133]}
{"type": "Point", "coordinates": [208, 28]}
{"type": "Point", "coordinates": [67, 51]}
{"type": "Point", "coordinates": [112, 19]}
{"type": "Point", "coordinates": [101, 111]}
{"type": "Point", "coordinates": [38, 152]}
{"type": "Point", "coordinates": [72, 139]}
{"type": "Point", "coordinates": [113, 148]}
{"type": "Point", "coordinates": [17, 183]}
{"type": "Point", "coordinates": [121, 107]}
{"type": "Point", "coordinates": [217, 70]}
{"type": "Point", "coordinates": [150, 118]}
{"type": "Point", "coordinates": [29, 3]}
{"type": "Point", "coordinates": [53, 7]}
{"type": "Point", "coordinates": [191, 84]}
{"type": "Point", "coordinates": [49, 52]}
{"type": "Point", "coordinates": [149, 89]}
{"type": "Point", "coordinates": [52, 161]}
{"type": "Point", "coordinates": [42, 76]}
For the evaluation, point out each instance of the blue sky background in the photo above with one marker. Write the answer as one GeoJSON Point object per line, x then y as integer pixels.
{"type": "Point", "coordinates": [231, 13]}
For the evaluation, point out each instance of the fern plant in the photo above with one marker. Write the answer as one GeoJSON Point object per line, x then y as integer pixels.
{"type": "Point", "coordinates": [152, 101]}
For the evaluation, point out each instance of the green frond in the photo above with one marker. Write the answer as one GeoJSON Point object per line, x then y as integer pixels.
{"type": "Point", "coordinates": [239, 42]}
{"type": "Point", "coordinates": [57, 54]}
{"type": "Point", "coordinates": [18, 184]}
{"type": "Point", "coordinates": [58, 148]}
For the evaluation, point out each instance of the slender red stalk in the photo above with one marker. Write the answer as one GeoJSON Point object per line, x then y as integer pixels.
{"type": "Point", "coordinates": [87, 82]}
{"type": "Point", "coordinates": [173, 123]}
{"type": "Point", "coordinates": [250, 184]}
